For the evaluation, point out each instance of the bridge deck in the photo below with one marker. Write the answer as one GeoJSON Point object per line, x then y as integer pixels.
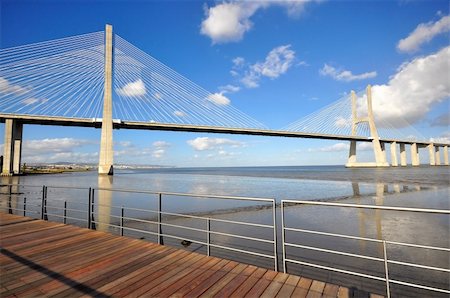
{"type": "Point", "coordinates": [40, 258]}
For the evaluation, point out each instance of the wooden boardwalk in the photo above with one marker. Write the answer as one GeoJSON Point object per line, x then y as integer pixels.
{"type": "Point", "coordinates": [40, 258]}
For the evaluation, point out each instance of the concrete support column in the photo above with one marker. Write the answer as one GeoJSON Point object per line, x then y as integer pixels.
{"type": "Point", "coordinates": [403, 161]}
{"type": "Point", "coordinates": [446, 155]}
{"type": "Point", "coordinates": [105, 164]}
{"type": "Point", "coordinates": [352, 154]}
{"type": "Point", "coordinates": [431, 153]}
{"type": "Point", "coordinates": [394, 161]}
{"type": "Point", "coordinates": [415, 160]}
{"type": "Point", "coordinates": [12, 152]}
{"type": "Point", "coordinates": [437, 157]}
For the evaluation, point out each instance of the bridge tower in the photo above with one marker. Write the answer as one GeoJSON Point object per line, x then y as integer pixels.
{"type": "Point", "coordinates": [378, 147]}
{"type": "Point", "coordinates": [105, 164]}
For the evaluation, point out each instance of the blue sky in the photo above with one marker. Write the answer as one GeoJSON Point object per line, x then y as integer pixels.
{"type": "Point", "coordinates": [293, 59]}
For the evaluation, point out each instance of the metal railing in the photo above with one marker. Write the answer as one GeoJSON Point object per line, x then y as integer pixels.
{"type": "Point", "coordinates": [87, 215]}
{"type": "Point", "coordinates": [384, 260]}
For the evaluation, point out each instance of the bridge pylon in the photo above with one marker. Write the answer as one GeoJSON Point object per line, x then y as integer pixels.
{"type": "Point", "coordinates": [378, 147]}
{"type": "Point", "coordinates": [105, 164]}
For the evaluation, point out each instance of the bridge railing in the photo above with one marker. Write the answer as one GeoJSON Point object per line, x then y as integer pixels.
{"type": "Point", "coordinates": [96, 208]}
{"type": "Point", "coordinates": [365, 268]}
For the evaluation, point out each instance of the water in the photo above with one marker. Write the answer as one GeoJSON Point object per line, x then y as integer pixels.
{"type": "Point", "coordinates": [423, 187]}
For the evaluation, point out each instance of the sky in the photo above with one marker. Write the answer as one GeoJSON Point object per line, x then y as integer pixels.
{"type": "Point", "coordinates": [275, 61]}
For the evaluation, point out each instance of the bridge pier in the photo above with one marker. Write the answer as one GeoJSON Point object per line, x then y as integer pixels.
{"type": "Point", "coordinates": [403, 161]}
{"type": "Point", "coordinates": [446, 155]}
{"type": "Point", "coordinates": [12, 151]}
{"type": "Point", "coordinates": [394, 161]}
{"type": "Point", "coordinates": [432, 154]}
{"type": "Point", "coordinates": [437, 157]}
{"type": "Point", "coordinates": [415, 160]}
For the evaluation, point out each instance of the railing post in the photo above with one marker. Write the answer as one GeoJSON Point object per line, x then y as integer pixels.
{"type": "Point", "coordinates": [42, 202]}
{"type": "Point", "coordinates": [388, 291]}
{"type": "Point", "coordinates": [65, 212]}
{"type": "Point", "coordinates": [45, 203]}
{"type": "Point", "coordinates": [208, 236]}
{"type": "Point", "coordinates": [89, 218]}
{"type": "Point", "coordinates": [24, 206]}
{"type": "Point", "coordinates": [9, 200]}
{"type": "Point", "coordinates": [160, 237]}
{"type": "Point", "coordinates": [283, 237]}
{"type": "Point", "coordinates": [92, 210]}
{"type": "Point", "coordinates": [275, 240]}
{"type": "Point", "coordinates": [121, 221]}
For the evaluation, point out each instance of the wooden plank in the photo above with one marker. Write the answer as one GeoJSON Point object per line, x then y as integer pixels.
{"type": "Point", "coordinates": [376, 296]}
{"type": "Point", "coordinates": [130, 279]}
{"type": "Point", "coordinates": [302, 288]}
{"type": "Point", "coordinates": [224, 281]}
{"type": "Point", "coordinates": [191, 276]}
{"type": "Point", "coordinates": [228, 289]}
{"type": "Point", "coordinates": [276, 285]}
{"type": "Point", "coordinates": [330, 290]}
{"type": "Point", "coordinates": [317, 286]}
{"type": "Point", "coordinates": [205, 275]}
{"type": "Point", "coordinates": [343, 292]}
{"type": "Point", "coordinates": [288, 287]}
{"type": "Point", "coordinates": [262, 284]}
{"type": "Point", "coordinates": [248, 284]}
{"type": "Point", "coordinates": [212, 279]}
{"type": "Point", "coordinates": [163, 274]}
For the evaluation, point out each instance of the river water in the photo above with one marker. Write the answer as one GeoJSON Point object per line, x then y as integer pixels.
{"type": "Point", "coordinates": [422, 187]}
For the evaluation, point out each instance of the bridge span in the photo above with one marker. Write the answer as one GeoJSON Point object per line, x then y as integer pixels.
{"type": "Point", "coordinates": [44, 83]}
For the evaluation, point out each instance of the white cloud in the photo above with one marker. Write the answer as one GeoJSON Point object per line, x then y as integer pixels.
{"type": "Point", "coordinates": [277, 62]}
{"type": "Point", "coordinates": [342, 122]}
{"type": "Point", "coordinates": [158, 153]}
{"type": "Point", "coordinates": [161, 144]}
{"type": "Point", "coordinates": [345, 75]}
{"type": "Point", "coordinates": [136, 88]}
{"type": "Point", "coordinates": [229, 88]}
{"type": "Point", "coordinates": [179, 113]}
{"type": "Point", "coordinates": [238, 62]}
{"type": "Point", "coordinates": [415, 88]}
{"type": "Point", "coordinates": [218, 99]}
{"type": "Point", "coordinates": [206, 143]}
{"type": "Point", "coordinates": [229, 21]}
{"type": "Point", "coordinates": [444, 138]}
{"type": "Point", "coordinates": [7, 87]}
{"type": "Point", "coordinates": [424, 33]}
{"type": "Point", "coordinates": [342, 147]}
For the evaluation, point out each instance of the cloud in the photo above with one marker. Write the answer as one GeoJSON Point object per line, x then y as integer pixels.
{"type": "Point", "coordinates": [218, 99]}
{"type": "Point", "coordinates": [179, 113]}
{"type": "Point", "coordinates": [342, 122]}
{"type": "Point", "coordinates": [277, 62]}
{"type": "Point", "coordinates": [160, 148]}
{"type": "Point", "coordinates": [7, 87]}
{"type": "Point", "coordinates": [442, 120]}
{"type": "Point", "coordinates": [229, 88]}
{"type": "Point", "coordinates": [238, 62]}
{"type": "Point", "coordinates": [423, 33]}
{"type": "Point", "coordinates": [345, 75]}
{"type": "Point", "coordinates": [57, 149]}
{"type": "Point", "coordinates": [444, 138]}
{"type": "Point", "coordinates": [341, 147]}
{"type": "Point", "coordinates": [417, 86]}
{"type": "Point", "coordinates": [136, 88]}
{"type": "Point", "coordinates": [206, 143]}
{"type": "Point", "coordinates": [229, 21]}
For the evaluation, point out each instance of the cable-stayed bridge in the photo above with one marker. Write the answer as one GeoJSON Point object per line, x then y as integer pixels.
{"type": "Point", "coordinates": [101, 80]}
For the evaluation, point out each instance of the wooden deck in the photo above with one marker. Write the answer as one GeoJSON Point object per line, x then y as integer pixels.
{"type": "Point", "coordinates": [40, 258]}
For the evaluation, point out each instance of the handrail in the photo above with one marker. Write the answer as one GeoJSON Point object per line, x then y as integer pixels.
{"type": "Point", "coordinates": [386, 260]}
